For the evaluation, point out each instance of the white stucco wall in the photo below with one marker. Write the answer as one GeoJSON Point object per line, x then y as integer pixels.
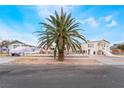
{"type": "Point", "coordinates": [101, 45]}
{"type": "Point", "coordinates": [12, 46]}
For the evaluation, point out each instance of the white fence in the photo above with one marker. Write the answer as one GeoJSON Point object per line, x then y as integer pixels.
{"type": "Point", "coordinates": [51, 54]}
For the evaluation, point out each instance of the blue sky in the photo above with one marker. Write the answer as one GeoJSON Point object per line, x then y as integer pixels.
{"type": "Point", "coordinates": [99, 22]}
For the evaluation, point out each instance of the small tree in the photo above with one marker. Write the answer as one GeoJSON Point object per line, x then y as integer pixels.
{"type": "Point", "coordinates": [121, 47]}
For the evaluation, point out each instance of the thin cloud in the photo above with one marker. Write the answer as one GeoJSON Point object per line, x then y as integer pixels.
{"type": "Point", "coordinates": [112, 23]}
{"type": "Point", "coordinates": [45, 11]}
{"type": "Point", "coordinates": [91, 22]}
{"type": "Point", "coordinates": [108, 18]}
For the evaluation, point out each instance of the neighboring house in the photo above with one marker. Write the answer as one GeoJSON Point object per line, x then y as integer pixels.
{"type": "Point", "coordinates": [4, 46]}
{"type": "Point", "coordinates": [101, 47]}
{"type": "Point", "coordinates": [4, 50]}
{"type": "Point", "coordinates": [117, 51]}
{"type": "Point", "coordinates": [14, 45]}
{"type": "Point", "coordinates": [20, 47]}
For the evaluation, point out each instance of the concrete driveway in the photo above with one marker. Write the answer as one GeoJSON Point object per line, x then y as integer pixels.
{"type": "Point", "coordinates": [6, 59]}
{"type": "Point", "coordinates": [63, 76]}
{"type": "Point", "coordinates": [110, 60]}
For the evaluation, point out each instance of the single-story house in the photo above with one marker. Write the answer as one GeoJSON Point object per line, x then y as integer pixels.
{"type": "Point", "coordinates": [16, 44]}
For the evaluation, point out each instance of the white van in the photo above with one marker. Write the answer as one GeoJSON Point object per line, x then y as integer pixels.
{"type": "Point", "coordinates": [21, 51]}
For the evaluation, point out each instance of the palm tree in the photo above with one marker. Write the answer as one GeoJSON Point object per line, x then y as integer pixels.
{"type": "Point", "coordinates": [62, 30]}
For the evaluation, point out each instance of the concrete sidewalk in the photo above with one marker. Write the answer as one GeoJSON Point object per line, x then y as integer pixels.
{"type": "Point", "coordinates": [6, 59]}
{"type": "Point", "coordinates": [110, 60]}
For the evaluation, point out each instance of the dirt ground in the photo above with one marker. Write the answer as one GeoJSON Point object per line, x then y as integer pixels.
{"type": "Point", "coordinates": [50, 60]}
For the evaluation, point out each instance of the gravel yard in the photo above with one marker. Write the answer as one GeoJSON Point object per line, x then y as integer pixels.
{"type": "Point", "coordinates": [50, 60]}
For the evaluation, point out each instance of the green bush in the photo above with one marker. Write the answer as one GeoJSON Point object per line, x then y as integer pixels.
{"type": "Point", "coordinates": [121, 47]}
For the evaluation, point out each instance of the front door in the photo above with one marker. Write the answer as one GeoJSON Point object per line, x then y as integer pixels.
{"type": "Point", "coordinates": [88, 51]}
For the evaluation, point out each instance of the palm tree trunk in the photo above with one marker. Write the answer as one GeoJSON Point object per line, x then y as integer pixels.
{"type": "Point", "coordinates": [61, 56]}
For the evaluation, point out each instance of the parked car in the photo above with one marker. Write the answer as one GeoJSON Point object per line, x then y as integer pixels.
{"type": "Point", "coordinates": [21, 51]}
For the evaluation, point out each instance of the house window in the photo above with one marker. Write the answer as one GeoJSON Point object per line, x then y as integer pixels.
{"type": "Point", "coordinates": [15, 46]}
{"type": "Point", "coordinates": [52, 48]}
{"type": "Point", "coordinates": [83, 51]}
{"type": "Point", "coordinates": [86, 51]}
{"type": "Point", "coordinates": [90, 45]}
{"type": "Point", "coordinates": [104, 45]}
{"type": "Point", "coordinates": [94, 52]}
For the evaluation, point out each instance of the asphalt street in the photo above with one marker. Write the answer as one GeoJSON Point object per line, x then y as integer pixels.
{"type": "Point", "coordinates": [61, 76]}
